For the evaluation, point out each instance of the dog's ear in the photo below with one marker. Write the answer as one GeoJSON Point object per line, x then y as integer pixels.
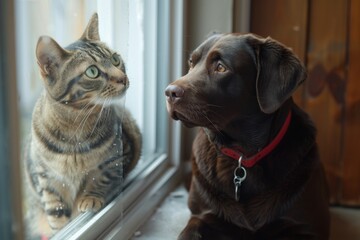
{"type": "Point", "coordinates": [279, 73]}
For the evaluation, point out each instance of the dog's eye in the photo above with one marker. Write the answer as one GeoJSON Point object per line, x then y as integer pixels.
{"type": "Point", "coordinates": [220, 68]}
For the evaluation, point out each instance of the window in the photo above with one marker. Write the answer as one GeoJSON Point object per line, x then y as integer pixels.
{"type": "Point", "coordinates": [148, 36]}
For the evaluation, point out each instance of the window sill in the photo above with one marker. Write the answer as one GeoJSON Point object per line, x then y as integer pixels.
{"type": "Point", "coordinates": [125, 214]}
{"type": "Point", "coordinates": [169, 218]}
{"type": "Point", "coordinates": [172, 216]}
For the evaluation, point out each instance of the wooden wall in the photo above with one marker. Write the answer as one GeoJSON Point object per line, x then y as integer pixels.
{"type": "Point", "coordinates": [325, 34]}
{"type": "Point", "coordinates": [351, 150]}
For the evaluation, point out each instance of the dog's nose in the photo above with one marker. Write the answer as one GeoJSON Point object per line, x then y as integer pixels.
{"type": "Point", "coordinates": [174, 93]}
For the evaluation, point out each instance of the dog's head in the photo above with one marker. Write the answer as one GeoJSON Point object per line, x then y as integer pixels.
{"type": "Point", "coordinates": [233, 76]}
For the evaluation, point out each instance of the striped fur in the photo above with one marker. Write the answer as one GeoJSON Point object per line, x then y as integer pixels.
{"type": "Point", "coordinates": [83, 143]}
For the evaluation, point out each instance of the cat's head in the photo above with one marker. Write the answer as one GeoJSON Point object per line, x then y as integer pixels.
{"type": "Point", "coordinates": [86, 72]}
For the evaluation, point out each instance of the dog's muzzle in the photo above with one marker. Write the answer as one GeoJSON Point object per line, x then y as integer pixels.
{"type": "Point", "coordinates": [174, 93]}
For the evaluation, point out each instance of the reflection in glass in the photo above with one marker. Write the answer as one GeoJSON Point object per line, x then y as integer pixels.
{"type": "Point", "coordinates": [83, 141]}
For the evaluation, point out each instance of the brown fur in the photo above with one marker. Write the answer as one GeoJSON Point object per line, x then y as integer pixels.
{"type": "Point", "coordinates": [238, 90]}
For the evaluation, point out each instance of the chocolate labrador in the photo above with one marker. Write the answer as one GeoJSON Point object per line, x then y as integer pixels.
{"type": "Point", "coordinates": [256, 172]}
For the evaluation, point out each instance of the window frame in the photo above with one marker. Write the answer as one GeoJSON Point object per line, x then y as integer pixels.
{"type": "Point", "coordinates": [11, 224]}
{"type": "Point", "coordinates": [125, 214]}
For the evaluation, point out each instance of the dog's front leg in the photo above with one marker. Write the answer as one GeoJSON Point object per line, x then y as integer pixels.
{"type": "Point", "coordinates": [192, 231]}
{"type": "Point", "coordinates": [210, 227]}
{"type": "Point", "coordinates": [203, 224]}
{"type": "Point", "coordinates": [199, 227]}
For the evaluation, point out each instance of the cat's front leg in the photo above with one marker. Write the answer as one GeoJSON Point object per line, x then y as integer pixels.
{"type": "Point", "coordinates": [101, 185]}
{"type": "Point", "coordinates": [92, 197]}
{"type": "Point", "coordinates": [57, 212]}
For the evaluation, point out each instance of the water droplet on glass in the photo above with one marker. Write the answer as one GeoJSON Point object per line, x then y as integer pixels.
{"type": "Point", "coordinates": [93, 179]}
{"type": "Point", "coordinates": [66, 102]}
{"type": "Point", "coordinates": [117, 164]}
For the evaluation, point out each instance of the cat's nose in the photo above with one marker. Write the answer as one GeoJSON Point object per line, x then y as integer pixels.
{"type": "Point", "coordinates": [120, 80]}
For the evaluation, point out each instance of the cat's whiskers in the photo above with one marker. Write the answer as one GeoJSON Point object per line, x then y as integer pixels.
{"type": "Point", "coordinates": [101, 111]}
{"type": "Point", "coordinates": [91, 101]}
{"type": "Point", "coordinates": [87, 115]}
{"type": "Point", "coordinates": [83, 121]}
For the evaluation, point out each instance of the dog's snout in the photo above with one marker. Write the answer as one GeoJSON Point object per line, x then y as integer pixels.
{"type": "Point", "coordinates": [174, 93]}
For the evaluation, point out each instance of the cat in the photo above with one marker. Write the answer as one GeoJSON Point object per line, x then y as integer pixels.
{"type": "Point", "coordinates": [82, 143]}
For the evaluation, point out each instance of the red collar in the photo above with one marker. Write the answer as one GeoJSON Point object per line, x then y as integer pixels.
{"type": "Point", "coordinates": [235, 152]}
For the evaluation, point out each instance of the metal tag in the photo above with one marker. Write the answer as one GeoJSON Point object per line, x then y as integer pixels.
{"type": "Point", "coordinates": [239, 177]}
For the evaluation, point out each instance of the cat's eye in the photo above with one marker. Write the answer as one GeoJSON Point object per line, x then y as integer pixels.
{"type": "Point", "coordinates": [220, 68]}
{"type": "Point", "coordinates": [115, 60]}
{"type": "Point", "coordinates": [92, 72]}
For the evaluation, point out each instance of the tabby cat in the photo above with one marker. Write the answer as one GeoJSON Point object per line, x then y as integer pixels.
{"type": "Point", "coordinates": [83, 142]}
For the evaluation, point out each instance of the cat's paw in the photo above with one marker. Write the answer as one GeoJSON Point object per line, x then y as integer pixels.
{"type": "Point", "coordinates": [90, 203]}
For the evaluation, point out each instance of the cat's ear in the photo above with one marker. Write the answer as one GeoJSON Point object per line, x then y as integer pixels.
{"type": "Point", "coordinates": [92, 29]}
{"type": "Point", "coordinates": [49, 55]}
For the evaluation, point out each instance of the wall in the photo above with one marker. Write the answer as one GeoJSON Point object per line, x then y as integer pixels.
{"type": "Point", "coordinates": [203, 17]}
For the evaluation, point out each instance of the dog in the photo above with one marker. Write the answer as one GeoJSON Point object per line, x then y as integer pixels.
{"type": "Point", "coordinates": [256, 172]}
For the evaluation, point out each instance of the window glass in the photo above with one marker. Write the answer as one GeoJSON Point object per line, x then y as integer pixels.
{"type": "Point", "coordinates": [48, 69]}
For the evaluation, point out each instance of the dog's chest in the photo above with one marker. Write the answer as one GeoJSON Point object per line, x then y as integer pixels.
{"type": "Point", "coordinates": [222, 174]}
{"type": "Point", "coordinates": [214, 168]}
